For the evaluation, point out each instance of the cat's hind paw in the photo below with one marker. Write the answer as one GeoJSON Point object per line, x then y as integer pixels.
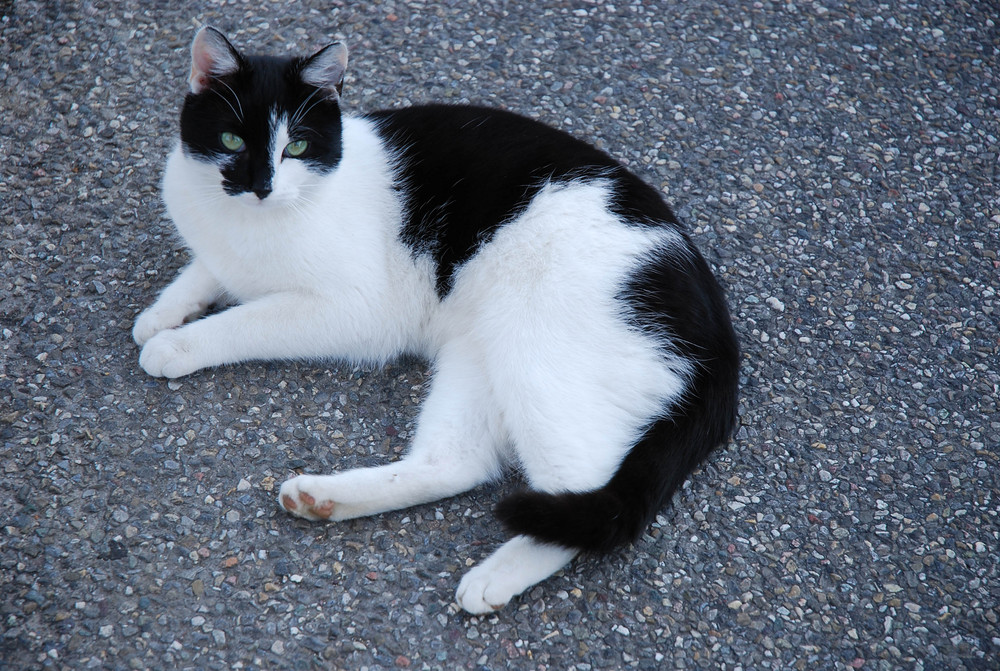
{"type": "Point", "coordinates": [514, 567]}
{"type": "Point", "coordinates": [169, 354]}
{"type": "Point", "coordinates": [295, 497]}
{"type": "Point", "coordinates": [483, 590]}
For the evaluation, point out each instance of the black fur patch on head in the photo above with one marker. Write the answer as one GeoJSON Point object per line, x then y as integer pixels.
{"type": "Point", "coordinates": [247, 103]}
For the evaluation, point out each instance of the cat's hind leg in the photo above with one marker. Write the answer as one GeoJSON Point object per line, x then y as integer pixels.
{"type": "Point", "coordinates": [422, 476]}
{"type": "Point", "coordinates": [571, 426]}
{"type": "Point", "coordinates": [524, 560]}
{"type": "Point", "coordinates": [455, 448]}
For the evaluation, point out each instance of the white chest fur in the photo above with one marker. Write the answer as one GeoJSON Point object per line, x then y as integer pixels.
{"type": "Point", "coordinates": [315, 240]}
{"type": "Point", "coordinates": [336, 241]}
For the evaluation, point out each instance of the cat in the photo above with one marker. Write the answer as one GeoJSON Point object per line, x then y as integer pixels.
{"type": "Point", "coordinates": [575, 332]}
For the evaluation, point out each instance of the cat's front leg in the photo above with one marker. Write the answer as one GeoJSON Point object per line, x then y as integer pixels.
{"type": "Point", "coordinates": [288, 325]}
{"type": "Point", "coordinates": [171, 353]}
{"type": "Point", "coordinates": [187, 297]}
{"type": "Point", "coordinates": [514, 567]}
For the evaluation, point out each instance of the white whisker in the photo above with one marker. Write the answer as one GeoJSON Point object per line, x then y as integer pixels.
{"type": "Point", "coordinates": [237, 98]}
{"type": "Point", "coordinates": [225, 100]}
{"type": "Point", "coordinates": [311, 106]}
{"type": "Point", "coordinates": [298, 114]}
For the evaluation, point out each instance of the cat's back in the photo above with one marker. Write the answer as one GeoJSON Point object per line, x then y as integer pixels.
{"type": "Point", "coordinates": [465, 171]}
{"type": "Point", "coordinates": [491, 141]}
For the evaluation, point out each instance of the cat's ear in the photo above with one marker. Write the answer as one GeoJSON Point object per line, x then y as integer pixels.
{"type": "Point", "coordinates": [212, 56]}
{"type": "Point", "coordinates": [325, 69]}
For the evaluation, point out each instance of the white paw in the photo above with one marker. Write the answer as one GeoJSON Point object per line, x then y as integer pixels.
{"type": "Point", "coordinates": [486, 590]}
{"type": "Point", "coordinates": [514, 567]}
{"type": "Point", "coordinates": [169, 354]}
{"type": "Point", "coordinates": [304, 496]}
{"type": "Point", "coordinates": [152, 321]}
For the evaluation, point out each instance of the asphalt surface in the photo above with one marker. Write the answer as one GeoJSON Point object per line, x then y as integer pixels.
{"type": "Point", "coordinates": [836, 161]}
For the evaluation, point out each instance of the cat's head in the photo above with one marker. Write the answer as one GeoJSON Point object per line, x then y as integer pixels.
{"type": "Point", "coordinates": [270, 125]}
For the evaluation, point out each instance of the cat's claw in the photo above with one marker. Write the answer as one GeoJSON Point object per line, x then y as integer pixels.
{"type": "Point", "coordinates": [168, 354]}
{"type": "Point", "coordinates": [293, 497]}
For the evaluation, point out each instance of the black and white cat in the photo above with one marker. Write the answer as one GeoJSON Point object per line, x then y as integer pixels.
{"type": "Point", "coordinates": [575, 332]}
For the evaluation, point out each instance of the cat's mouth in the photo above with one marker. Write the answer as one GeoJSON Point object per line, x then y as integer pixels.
{"type": "Point", "coordinates": [259, 202]}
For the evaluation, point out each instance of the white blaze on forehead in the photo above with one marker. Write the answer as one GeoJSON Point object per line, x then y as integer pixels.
{"type": "Point", "coordinates": [279, 139]}
{"type": "Point", "coordinates": [287, 176]}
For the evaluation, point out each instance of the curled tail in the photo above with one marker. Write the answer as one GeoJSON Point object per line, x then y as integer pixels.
{"type": "Point", "coordinates": [689, 304]}
{"type": "Point", "coordinates": [617, 514]}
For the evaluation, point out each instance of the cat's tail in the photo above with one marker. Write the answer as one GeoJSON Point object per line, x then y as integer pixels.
{"type": "Point", "coordinates": [668, 451]}
{"type": "Point", "coordinates": [619, 512]}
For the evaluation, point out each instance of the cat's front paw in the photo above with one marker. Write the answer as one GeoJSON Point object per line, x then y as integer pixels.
{"type": "Point", "coordinates": [486, 590]}
{"type": "Point", "coordinates": [169, 354]}
{"type": "Point", "coordinates": [304, 496]}
{"type": "Point", "coordinates": [153, 321]}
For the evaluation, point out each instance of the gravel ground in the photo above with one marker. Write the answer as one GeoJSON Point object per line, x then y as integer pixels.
{"type": "Point", "coordinates": [838, 163]}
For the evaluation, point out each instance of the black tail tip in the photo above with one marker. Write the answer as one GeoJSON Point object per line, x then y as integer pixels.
{"type": "Point", "coordinates": [592, 521]}
{"type": "Point", "coordinates": [522, 511]}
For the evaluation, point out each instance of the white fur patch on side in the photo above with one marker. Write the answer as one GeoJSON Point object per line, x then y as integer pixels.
{"type": "Point", "coordinates": [573, 382]}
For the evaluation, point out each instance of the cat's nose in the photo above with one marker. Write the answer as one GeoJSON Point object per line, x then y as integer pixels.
{"type": "Point", "coordinates": [262, 192]}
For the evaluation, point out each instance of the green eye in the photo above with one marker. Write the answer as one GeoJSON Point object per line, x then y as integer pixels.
{"type": "Point", "coordinates": [296, 148]}
{"type": "Point", "coordinates": [231, 141]}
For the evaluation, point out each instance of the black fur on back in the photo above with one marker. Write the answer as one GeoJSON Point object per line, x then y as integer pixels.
{"type": "Point", "coordinates": [466, 170]}
{"type": "Point", "coordinates": [677, 294]}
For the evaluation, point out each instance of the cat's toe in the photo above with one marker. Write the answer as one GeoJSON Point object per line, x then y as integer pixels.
{"type": "Point", "coordinates": [295, 498]}
{"type": "Point", "coordinates": [168, 354]}
{"type": "Point", "coordinates": [483, 590]}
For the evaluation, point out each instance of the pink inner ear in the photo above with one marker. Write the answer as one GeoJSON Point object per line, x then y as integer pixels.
{"type": "Point", "coordinates": [210, 56]}
{"type": "Point", "coordinates": [201, 58]}
{"type": "Point", "coordinates": [198, 81]}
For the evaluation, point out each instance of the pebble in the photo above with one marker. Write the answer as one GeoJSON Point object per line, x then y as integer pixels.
{"type": "Point", "coordinates": [198, 587]}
